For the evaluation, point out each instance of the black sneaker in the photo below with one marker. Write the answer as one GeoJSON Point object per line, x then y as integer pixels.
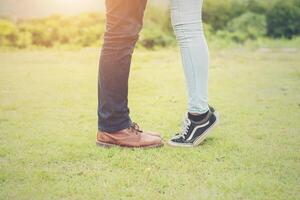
{"type": "Point", "coordinates": [193, 133]}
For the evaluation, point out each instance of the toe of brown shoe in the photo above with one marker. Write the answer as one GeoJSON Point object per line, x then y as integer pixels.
{"type": "Point", "coordinates": [153, 134]}
{"type": "Point", "coordinates": [148, 140]}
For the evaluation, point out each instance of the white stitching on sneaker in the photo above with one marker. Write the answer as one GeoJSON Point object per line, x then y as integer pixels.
{"type": "Point", "coordinates": [196, 128]}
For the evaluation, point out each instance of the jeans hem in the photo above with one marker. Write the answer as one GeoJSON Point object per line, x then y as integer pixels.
{"type": "Point", "coordinates": [198, 111]}
{"type": "Point", "coordinates": [114, 128]}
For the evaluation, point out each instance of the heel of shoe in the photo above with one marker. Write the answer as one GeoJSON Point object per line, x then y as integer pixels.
{"type": "Point", "coordinates": [103, 144]}
{"type": "Point", "coordinates": [199, 140]}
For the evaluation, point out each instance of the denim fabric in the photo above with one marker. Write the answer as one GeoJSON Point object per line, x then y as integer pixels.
{"type": "Point", "coordinates": [187, 25]}
{"type": "Point", "coordinates": [124, 20]}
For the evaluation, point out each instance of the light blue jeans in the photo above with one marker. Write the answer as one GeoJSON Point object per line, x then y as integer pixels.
{"type": "Point", "coordinates": [187, 24]}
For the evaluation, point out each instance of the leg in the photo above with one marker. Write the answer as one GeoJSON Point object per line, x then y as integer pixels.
{"type": "Point", "coordinates": [187, 24]}
{"type": "Point", "coordinates": [124, 19]}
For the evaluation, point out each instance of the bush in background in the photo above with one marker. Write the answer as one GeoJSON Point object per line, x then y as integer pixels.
{"type": "Point", "coordinates": [8, 33]}
{"type": "Point", "coordinates": [218, 13]}
{"type": "Point", "coordinates": [247, 26]}
{"type": "Point", "coordinates": [235, 21]}
{"type": "Point", "coordinates": [283, 19]}
{"type": "Point", "coordinates": [157, 31]}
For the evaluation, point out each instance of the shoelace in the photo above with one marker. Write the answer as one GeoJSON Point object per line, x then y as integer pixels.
{"type": "Point", "coordinates": [135, 127]}
{"type": "Point", "coordinates": [185, 128]}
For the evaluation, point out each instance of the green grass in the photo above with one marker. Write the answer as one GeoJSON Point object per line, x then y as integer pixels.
{"type": "Point", "coordinates": [48, 127]}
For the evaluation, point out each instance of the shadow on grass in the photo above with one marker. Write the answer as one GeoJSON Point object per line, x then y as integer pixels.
{"type": "Point", "coordinates": [208, 141]}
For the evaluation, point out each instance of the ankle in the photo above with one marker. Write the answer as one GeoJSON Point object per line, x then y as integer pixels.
{"type": "Point", "coordinates": [197, 116]}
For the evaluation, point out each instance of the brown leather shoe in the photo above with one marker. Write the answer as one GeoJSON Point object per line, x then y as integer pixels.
{"type": "Point", "coordinates": [131, 137]}
{"type": "Point", "coordinates": [136, 126]}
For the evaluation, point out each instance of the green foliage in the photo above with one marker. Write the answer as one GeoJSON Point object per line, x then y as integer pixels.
{"type": "Point", "coordinates": [232, 20]}
{"type": "Point", "coordinates": [8, 33]}
{"type": "Point", "coordinates": [258, 6]}
{"type": "Point", "coordinates": [24, 40]}
{"type": "Point", "coordinates": [284, 19]}
{"type": "Point", "coordinates": [247, 26]}
{"type": "Point", "coordinates": [83, 30]}
{"type": "Point", "coordinates": [157, 29]}
{"type": "Point", "coordinates": [219, 13]}
{"type": "Point", "coordinates": [154, 37]}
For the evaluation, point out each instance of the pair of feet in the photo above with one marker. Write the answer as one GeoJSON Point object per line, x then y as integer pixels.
{"type": "Point", "coordinates": [194, 131]}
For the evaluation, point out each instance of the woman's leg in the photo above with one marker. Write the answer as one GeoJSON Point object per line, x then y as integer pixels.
{"type": "Point", "coordinates": [187, 25]}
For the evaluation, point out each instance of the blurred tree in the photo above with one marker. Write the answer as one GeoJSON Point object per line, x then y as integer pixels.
{"type": "Point", "coordinates": [258, 6]}
{"type": "Point", "coordinates": [8, 33]}
{"type": "Point", "coordinates": [248, 26]}
{"type": "Point", "coordinates": [237, 20]}
{"type": "Point", "coordinates": [24, 40]}
{"type": "Point", "coordinates": [283, 19]}
{"type": "Point", "coordinates": [219, 13]}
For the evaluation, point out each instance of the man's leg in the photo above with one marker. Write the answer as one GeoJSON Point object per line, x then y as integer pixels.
{"type": "Point", "coordinates": [123, 23]}
{"type": "Point", "coordinates": [124, 19]}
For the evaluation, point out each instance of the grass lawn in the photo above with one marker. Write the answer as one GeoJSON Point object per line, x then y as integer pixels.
{"type": "Point", "coordinates": [48, 126]}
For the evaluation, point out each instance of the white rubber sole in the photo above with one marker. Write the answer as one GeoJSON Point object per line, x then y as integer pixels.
{"type": "Point", "coordinates": [198, 141]}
